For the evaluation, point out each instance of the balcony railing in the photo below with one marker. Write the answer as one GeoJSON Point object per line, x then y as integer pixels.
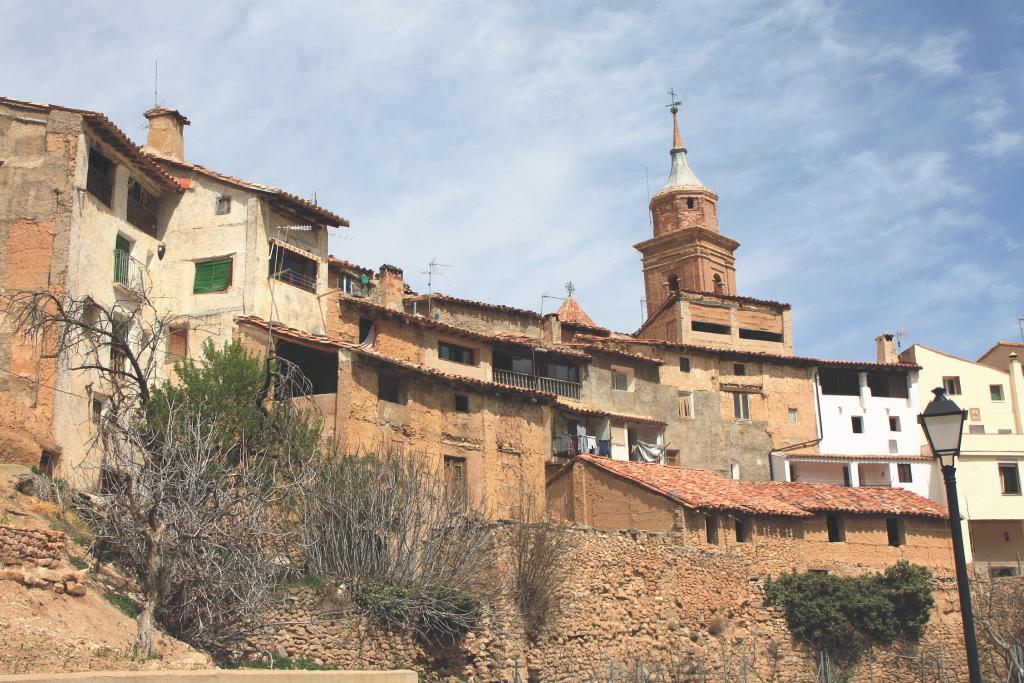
{"type": "Point", "coordinates": [548, 384]}
{"type": "Point", "coordinates": [297, 279]}
{"type": "Point", "coordinates": [129, 272]}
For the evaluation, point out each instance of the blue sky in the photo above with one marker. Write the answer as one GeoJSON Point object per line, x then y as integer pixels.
{"type": "Point", "coordinates": [868, 156]}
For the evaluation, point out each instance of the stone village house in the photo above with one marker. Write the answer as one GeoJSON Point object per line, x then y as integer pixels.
{"type": "Point", "coordinates": [501, 399]}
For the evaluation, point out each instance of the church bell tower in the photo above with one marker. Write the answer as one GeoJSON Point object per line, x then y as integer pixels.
{"type": "Point", "coordinates": [686, 253]}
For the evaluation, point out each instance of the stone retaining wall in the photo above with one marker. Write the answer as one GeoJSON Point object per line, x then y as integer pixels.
{"type": "Point", "coordinates": [34, 558]}
{"type": "Point", "coordinates": [630, 596]}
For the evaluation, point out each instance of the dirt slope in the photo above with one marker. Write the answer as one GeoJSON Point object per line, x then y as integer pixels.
{"type": "Point", "coordinates": [42, 631]}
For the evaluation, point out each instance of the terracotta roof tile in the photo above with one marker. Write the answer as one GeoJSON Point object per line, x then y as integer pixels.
{"type": "Point", "coordinates": [886, 457]}
{"type": "Point", "coordinates": [703, 489]}
{"type": "Point", "coordinates": [525, 312]}
{"type": "Point", "coordinates": [289, 201]}
{"type": "Point", "coordinates": [602, 348]}
{"type": "Point", "coordinates": [571, 313]}
{"type": "Point", "coordinates": [342, 263]}
{"type": "Point", "coordinates": [582, 409]}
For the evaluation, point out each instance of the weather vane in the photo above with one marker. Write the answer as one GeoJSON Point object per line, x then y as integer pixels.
{"type": "Point", "coordinates": [674, 105]}
{"type": "Point", "coordinates": [570, 287]}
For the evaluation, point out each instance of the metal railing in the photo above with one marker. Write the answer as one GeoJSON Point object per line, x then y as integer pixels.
{"type": "Point", "coordinates": [548, 384]}
{"type": "Point", "coordinates": [129, 272]}
{"type": "Point", "coordinates": [300, 280]}
{"type": "Point", "coordinates": [141, 215]}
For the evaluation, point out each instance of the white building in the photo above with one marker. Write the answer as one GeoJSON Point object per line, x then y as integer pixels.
{"type": "Point", "coordinates": [867, 426]}
{"type": "Point", "coordinates": [992, 451]}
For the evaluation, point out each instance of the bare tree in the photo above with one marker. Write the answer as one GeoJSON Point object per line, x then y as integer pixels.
{"type": "Point", "coordinates": [194, 506]}
{"type": "Point", "coordinates": [540, 550]}
{"type": "Point", "coordinates": [413, 551]}
{"type": "Point", "coordinates": [999, 617]}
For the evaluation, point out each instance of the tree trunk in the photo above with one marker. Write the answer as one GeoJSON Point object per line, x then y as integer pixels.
{"type": "Point", "coordinates": [143, 648]}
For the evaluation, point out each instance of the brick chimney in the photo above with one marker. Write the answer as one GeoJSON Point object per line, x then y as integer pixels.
{"type": "Point", "coordinates": [885, 348]}
{"type": "Point", "coordinates": [392, 287]}
{"type": "Point", "coordinates": [166, 133]}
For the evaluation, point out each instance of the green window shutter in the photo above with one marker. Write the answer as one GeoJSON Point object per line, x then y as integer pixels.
{"type": "Point", "coordinates": [212, 276]}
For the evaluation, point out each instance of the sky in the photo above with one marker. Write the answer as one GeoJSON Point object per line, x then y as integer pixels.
{"type": "Point", "coordinates": [868, 156]}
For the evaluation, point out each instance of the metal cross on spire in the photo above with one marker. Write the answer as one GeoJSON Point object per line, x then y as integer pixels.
{"type": "Point", "coordinates": [570, 287]}
{"type": "Point", "coordinates": [673, 106]}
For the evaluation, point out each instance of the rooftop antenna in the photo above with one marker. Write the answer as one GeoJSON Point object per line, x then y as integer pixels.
{"type": "Point", "coordinates": [900, 334]}
{"type": "Point", "coordinates": [647, 182]}
{"type": "Point", "coordinates": [430, 272]}
{"type": "Point", "coordinates": [1020, 325]}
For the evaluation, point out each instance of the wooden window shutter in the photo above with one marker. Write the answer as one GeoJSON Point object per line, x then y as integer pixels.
{"type": "Point", "coordinates": [212, 276]}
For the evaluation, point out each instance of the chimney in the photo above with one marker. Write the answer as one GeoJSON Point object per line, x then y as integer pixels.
{"type": "Point", "coordinates": [885, 348]}
{"type": "Point", "coordinates": [1016, 386]}
{"type": "Point", "coordinates": [392, 287]}
{"type": "Point", "coordinates": [551, 330]}
{"type": "Point", "coordinates": [166, 133]}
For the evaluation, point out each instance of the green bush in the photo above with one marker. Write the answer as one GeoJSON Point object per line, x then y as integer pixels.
{"type": "Point", "coordinates": [439, 613]}
{"type": "Point", "coordinates": [278, 662]}
{"type": "Point", "coordinates": [842, 615]}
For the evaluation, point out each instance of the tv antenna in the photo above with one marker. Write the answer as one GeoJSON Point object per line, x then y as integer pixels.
{"type": "Point", "coordinates": [900, 334]}
{"type": "Point", "coordinates": [1020, 326]}
{"type": "Point", "coordinates": [431, 271]}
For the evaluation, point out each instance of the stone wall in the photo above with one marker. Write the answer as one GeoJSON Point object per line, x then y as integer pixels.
{"type": "Point", "coordinates": [630, 595]}
{"type": "Point", "coordinates": [33, 557]}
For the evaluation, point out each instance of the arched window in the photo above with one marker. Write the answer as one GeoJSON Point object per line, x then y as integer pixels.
{"type": "Point", "coordinates": [673, 283]}
{"type": "Point", "coordinates": [689, 202]}
{"type": "Point", "coordinates": [719, 285]}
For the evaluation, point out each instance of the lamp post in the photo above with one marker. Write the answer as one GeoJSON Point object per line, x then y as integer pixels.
{"type": "Point", "coordinates": [943, 424]}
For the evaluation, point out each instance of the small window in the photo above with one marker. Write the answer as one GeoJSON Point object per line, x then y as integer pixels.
{"type": "Point", "coordinates": [711, 529]}
{"type": "Point", "coordinates": [455, 476]}
{"type": "Point", "coordinates": [689, 202]}
{"type": "Point", "coordinates": [345, 283]}
{"type": "Point", "coordinates": [857, 423]}
{"type": "Point", "coordinates": [792, 416]}
{"type": "Point", "coordinates": [455, 353]}
{"type": "Point", "coordinates": [996, 391]}
{"type": "Point", "coordinates": [684, 364]}
{"type": "Point", "coordinates": [673, 283]}
{"type": "Point", "coordinates": [620, 381]}
{"type": "Point", "coordinates": [739, 369]}
{"type": "Point", "coordinates": [223, 205]}
{"type": "Point", "coordinates": [389, 388]}
{"type": "Point", "coordinates": [177, 343]}
{"type": "Point", "coordinates": [142, 207]}
{"type": "Point", "coordinates": [100, 182]}
{"type": "Point", "coordinates": [685, 404]}
{"type": "Point", "coordinates": [846, 476]}
{"type": "Point", "coordinates": [734, 470]}
{"type": "Point", "coordinates": [904, 473]}
{"type": "Point", "coordinates": [894, 424]}
{"type": "Point", "coordinates": [711, 328]}
{"type": "Point", "coordinates": [894, 446]}
{"type": "Point", "coordinates": [976, 429]}
{"type": "Point", "coordinates": [951, 384]}
{"type": "Point", "coordinates": [293, 268]}
{"type": "Point", "coordinates": [741, 406]}
{"type": "Point", "coordinates": [1009, 478]}
{"type": "Point", "coordinates": [96, 411]}
{"type": "Point", "coordinates": [366, 331]}
{"type": "Point", "coordinates": [894, 527]}
{"type": "Point", "coordinates": [461, 403]}
{"type": "Point", "coordinates": [212, 276]}
{"type": "Point", "coordinates": [672, 457]}
{"type": "Point", "coordinates": [742, 534]}
{"type": "Point", "coordinates": [1005, 430]}
{"type": "Point", "coordinates": [835, 529]}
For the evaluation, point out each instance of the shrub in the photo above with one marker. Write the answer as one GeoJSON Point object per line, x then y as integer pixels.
{"type": "Point", "coordinates": [540, 549]}
{"type": "Point", "coordinates": [841, 616]}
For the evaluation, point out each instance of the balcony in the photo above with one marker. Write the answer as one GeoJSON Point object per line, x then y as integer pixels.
{"type": "Point", "coordinates": [129, 272]}
{"type": "Point", "coordinates": [548, 384]}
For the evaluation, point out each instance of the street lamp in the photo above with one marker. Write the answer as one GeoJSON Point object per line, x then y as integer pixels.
{"type": "Point", "coordinates": [943, 424]}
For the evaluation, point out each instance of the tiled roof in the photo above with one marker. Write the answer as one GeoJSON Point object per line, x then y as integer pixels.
{"type": "Point", "coordinates": [742, 299]}
{"type": "Point", "coordinates": [113, 136]}
{"type": "Point", "coordinates": [422, 321]}
{"type": "Point", "coordinates": [277, 196]}
{"type": "Point", "coordinates": [868, 365]}
{"type": "Point", "coordinates": [580, 409]}
{"type": "Point", "coordinates": [703, 489]}
{"type": "Point", "coordinates": [881, 457]}
{"type": "Point", "coordinates": [342, 263]}
{"type": "Point", "coordinates": [600, 348]}
{"type": "Point", "coordinates": [478, 304]}
{"type": "Point", "coordinates": [855, 499]}
{"type": "Point", "coordinates": [699, 489]}
{"type": "Point", "coordinates": [571, 313]}
{"type": "Point", "coordinates": [333, 343]}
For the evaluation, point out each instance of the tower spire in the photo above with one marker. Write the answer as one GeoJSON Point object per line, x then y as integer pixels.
{"type": "Point", "coordinates": [677, 139]}
{"type": "Point", "coordinates": [680, 174]}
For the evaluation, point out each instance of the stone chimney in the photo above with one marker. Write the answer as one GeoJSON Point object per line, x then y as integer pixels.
{"type": "Point", "coordinates": [166, 133]}
{"type": "Point", "coordinates": [392, 287]}
{"type": "Point", "coordinates": [551, 330]}
{"type": "Point", "coordinates": [885, 348]}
